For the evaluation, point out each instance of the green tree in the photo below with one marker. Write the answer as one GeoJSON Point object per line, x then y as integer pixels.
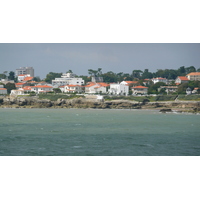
{"type": "Point", "coordinates": [37, 79]}
{"type": "Point", "coordinates": [2, 76]}
{"type": "Point", "coordinates": [57, 90]}
{"type": "Point", "coordinates": [146, 74]}
{"type": "Point", "coordinates": [9, 87]}
{"type": "Point", "coordinates": [51, 76]}
{"type": "Point", "coordinates": [109, 77]}
{"type": "Point", "coordinates": [69, 71]}
{"type": "Point", "coordinates": [11, 75]}
{"type": "Point", "coordinates": [136, 73]}
{"type": "Point", "coordinates": [190, 69]}
{"type": "Point", "coordinates": [153, 89]}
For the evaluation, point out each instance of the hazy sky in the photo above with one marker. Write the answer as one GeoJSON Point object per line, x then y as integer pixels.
{"type": "Point", "coordinates": [79, 57]}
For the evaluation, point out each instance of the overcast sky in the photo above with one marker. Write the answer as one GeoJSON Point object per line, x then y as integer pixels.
{"type": "Point", "coordinates": [79, 57]}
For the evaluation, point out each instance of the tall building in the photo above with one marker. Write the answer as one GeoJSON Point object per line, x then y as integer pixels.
{"type": "Point", "coordinates": [25, 70]}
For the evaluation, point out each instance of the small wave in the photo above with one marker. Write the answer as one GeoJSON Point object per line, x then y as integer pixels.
{"type": "Point", "coordinates": [76, 147]}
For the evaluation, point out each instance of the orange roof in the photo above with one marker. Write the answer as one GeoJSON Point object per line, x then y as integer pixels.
{"type": "Point", "coordinates": [28, 78]}
{"type": "Point", "coordinates": [3, 89]}
{"type": "Point", "coordinates": [193, 74]}
{"type": "Point", "coordinates": [90, 84]}
{"type": "Point", "coordinates": [103, 84]}
{"type": "Point", "coordinates": [183, 78]}
{"type": "Point", "coordinates": [42, 86]}
{"type": "Point", "coordinates": [22, 75]}
{"type": "Point", "coordinates": [19, 84]}
{"type": "Point", "coordinates": [27, 88]}
{"type": "Point", "coordinates": [139, 87]}
{"type": "Point", "coordinates": [131, 82]}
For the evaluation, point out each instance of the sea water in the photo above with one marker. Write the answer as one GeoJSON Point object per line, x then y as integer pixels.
{"type": "Point", "coordinates": [94, 132]}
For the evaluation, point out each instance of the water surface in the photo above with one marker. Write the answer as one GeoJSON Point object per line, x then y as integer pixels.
{"type": "Point", "coordinates": [91, 132]}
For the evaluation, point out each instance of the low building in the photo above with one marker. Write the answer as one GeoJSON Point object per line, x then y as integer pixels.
{"type": "Point", "coordinates": [195, 90]}
{"type": "Point", "coordinates": [73, 88]}
{"type": "Point", "coordinates": [181, 79]}
{"type": "Point", "coordinates": [193, 76]}
{"type": "Point", "coordinates": [41, 88]}
{"type": "Point", "coordinates": [17, 92]}
{"type": "Point", "coordinates": [3, 90]}
{"type": "Point", "coordinates": [93, 88]}
{"type": "Point", "coordinates": [129, 83]}
{"type": "Point", "coordinates": [20, 85]}
{"type": "Point", "coordinates": [159, 79]}
{"type": "Point", "coordinates": [118, 89]}
{"type": "Point", "coordinates": [139, 90]}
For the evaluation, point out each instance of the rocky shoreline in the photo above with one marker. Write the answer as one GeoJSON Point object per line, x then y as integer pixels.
{"type": "Point", "coordinates": [33, 102]}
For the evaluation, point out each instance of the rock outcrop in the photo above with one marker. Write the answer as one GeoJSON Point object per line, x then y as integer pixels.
{"type": "Point", "coordinates": [33, 102]}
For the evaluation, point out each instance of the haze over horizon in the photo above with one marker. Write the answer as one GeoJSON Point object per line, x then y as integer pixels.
{"type": "Point", "coordinates": [79, 57]}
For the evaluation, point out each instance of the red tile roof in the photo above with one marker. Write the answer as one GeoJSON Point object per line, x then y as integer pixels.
{"type": "Point", "coordinates": [28, 78]}
{"type": "Point", "coordinates": [139, 87]}
{"type": "Point", "coordinates": [3, 89]}
{"type": "Point", "coordinates": [193, 74]}
{"type": "Point", "coordinates": [183, 78]}
{"type": "Point", "coordinates": [19, 84]}
{"type": "Point", "coordinates": [42, 86]}
{"type": "Point", "coordinates": [27, 88]}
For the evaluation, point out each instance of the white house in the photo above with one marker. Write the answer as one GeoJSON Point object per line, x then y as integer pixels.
{"type": "Point", "coordinates": [159, 79]}
{"type": "Point", "coordinates": [41, 88]}
{"type": "Point", "coordinates": [193, 76]}
{"type": "Point", "coordinates": [21, 77]}
{"type": "Point", "coordinates": [68, 79]}
{"type": "Point", "coordinates": [129, 83]}
{"type": "Point", "coordinates": [118, 89]}
{"type": "Point", "coordinates": [17, 92]}
{"type": "Point", "coordinates": [181, 79]}
{"type": "Point", "coordinates": [93, 88]}
{"type": "Point", "coordinates": [3, 90]}
{"type": "Point", "coordinates": [139, 90]}
{"type": "Point", "coordinates": [73, 88]}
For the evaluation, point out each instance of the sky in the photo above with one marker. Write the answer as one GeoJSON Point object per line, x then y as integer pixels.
{"type": "Point", "coordinates": [79, 57]}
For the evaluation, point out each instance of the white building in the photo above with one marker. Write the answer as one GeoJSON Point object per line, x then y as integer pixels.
{"type": "Point", "coordinates": [93, 88]}
{"type": "Point", "coordinates": [119, 89]}
{"type": "Point", "coordinates": [25, 70]}
{"type": "Point", "coordinates": [159, 79]}
{"type": "Point", "coordinates": [41, 88]}
{"type": "Point", "coordinates": [68, 79]}
{"type": "Point", "coordinates": [181, 79]}
{"type": "Point", "coordinates": [139, 90]}
{"type": "Point", "coordinates": [73, 88]}
{"type": "Point", "coordinates": [3, 90]}
{"type": "Point", "coordinates": [193, 76]}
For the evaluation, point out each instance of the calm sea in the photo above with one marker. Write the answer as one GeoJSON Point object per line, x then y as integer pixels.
{"type": "Point", "coordinates": [91, 132]}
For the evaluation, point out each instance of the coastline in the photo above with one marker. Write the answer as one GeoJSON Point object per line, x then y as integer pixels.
{"type": "Point", "coordinates": [162, 106]}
